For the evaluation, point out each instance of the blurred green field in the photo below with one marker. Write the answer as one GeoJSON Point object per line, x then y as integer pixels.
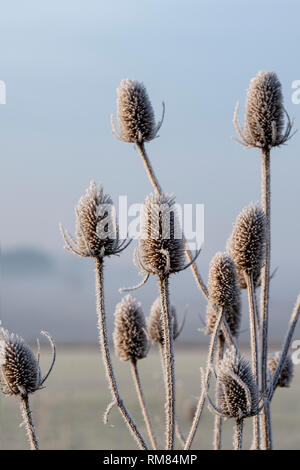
{"type": "Point", "coordinates": [68, 413]}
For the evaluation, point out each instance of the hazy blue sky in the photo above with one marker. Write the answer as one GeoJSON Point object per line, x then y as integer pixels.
{"type": "Point", "coordinates": [62, 62]}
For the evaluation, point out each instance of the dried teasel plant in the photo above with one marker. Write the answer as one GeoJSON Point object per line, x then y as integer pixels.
{"type": "Point", "coordinates": [264, 129]}
{"type": "Point", "coordinates": [98, 237]}
{"type": "Point", "coordinates": [247, 248]}
{"type": "Point", "coordinates": [154, 322]}
{"type": "Point", "coordinates": [131, 344]}
{"type": "Point", "coordinates": [20, 375]}
{"type": "Point", "coordinates": [237, 394]}
{"type": "Point", "coordinates": [223, 291]}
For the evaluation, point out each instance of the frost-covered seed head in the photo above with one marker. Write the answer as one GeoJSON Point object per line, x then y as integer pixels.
{"type": "Point", "coordinates": [222, 283]}
{"type": "Point", "coordinates": [236, 391]}
{"type": "Point", "coordinates": [20, 372]}
{"type": "Point", "coordinates": [130, 339]}
{"type": "Point", "coordinates": [247, 243]}
{"type": "Point", "coordinates": [232, 316]}
{"type": "Point", "coordinates": [161, 246]}
{"type": "Point", "coordinates": [154, 322]}
{"type": "Point", "coordinates": [135, 113]}
{"type": "Point", "coordinates": [264, 114]}
{"type": "Point", "coordinates": [287, 371]}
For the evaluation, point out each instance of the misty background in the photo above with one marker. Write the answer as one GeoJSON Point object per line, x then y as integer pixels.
{"type": "Point", "coordinates": [62, 63]}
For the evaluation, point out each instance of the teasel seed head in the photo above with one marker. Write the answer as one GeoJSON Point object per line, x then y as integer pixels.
{"type": "Point", "coordinates": [20, 372]}
{"type": "Point", "coordinates": [97, 233]}
{"type": "Point", "coordinates": [247, 243]}
{"type": "Point", "coordinates": [130, 338]}
{"type": "Point", "coordinates": [232, 316]}
{"type": "Point", "coordinates": [135, 113]}
{"type": "Point", "coordinates": [264, 114]}
{"type": "Point", "coordinates": [154, 322]}
{"type": "Point", "coordinates": [161, 246]}
{"type": "Point", "coordinates": [222, 282]}
{"type": "Point", "coordinates": [287, 371]}
{"type": "Point", "coordinates": [236, 390]}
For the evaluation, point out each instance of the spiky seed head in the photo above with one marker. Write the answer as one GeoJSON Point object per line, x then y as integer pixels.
{"type": "Point", "coordinates": [236, 391]}
{"type": "Point", "coordinates": [154, 322]}
{"type": "Point", "coordinates": [247, 243]}
{"type": "Point", "coordinates": [161, 246]}
{"type": "Point", "coordinates": [135, 113]}
{"type": "Point", "coordinates": [96, 224]}
{"type": "Point", "coordinates": [130, 338]}
{"type": "Point", "coordinates": [264, 114]}
{"type": "Point", "coordinates": [232, 316]}
{"type": "Point", "coordinates": [287, 371]}
{"type": "Point", "coordinates": [222, 282]}
{"type": "Point", "coordinates": [20, 372]}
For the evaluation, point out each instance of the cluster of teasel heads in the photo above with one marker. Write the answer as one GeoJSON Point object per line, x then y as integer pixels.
{"type": "Point", "coordinates": [244, 390]}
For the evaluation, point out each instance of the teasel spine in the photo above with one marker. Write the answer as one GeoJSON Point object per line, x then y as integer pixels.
{"type": "Point", "coordinates": [107, 358]}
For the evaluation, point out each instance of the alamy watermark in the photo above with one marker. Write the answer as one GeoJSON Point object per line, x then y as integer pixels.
{"type": "Point", "coordinates": [296, 93]}
{"type": "Point", "coordinates": [2, 92]}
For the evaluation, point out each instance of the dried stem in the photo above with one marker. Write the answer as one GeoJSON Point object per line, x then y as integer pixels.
{"type": "Point", "coordinates": [265, 282]}
{"type": "Point", "coordinates": [28, 421]}
{"type": "Point", "coordinates": [219, 419]}
{"type": "Point", "coordinates": [286, 345]}
{"type": "Point", "coordinates": [254, 352]}
{"type": "Point", "coordinates": [107, 359]}
{"type": "Point", "coordinates": [158, 190]}
{"type": "Point", "coordinates": [238, 434]}
{"type": "Point", "coordinates": [168, 363]}
{"type": "Point", "coordinates": [205, 387]}
{"type": "Point", "coordinates": [138, 386]}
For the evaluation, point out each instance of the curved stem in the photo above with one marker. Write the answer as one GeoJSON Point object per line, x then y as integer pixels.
{"type": "Point", "coordinates": [265, 282]}
{"type": "Point", "coordinates": [238, 434]}
{"type": "Point", "coordinates": [107, 359]}
{"type": "Point", "coordinates": [205, 387]}
{"type": "Point", "coordinates": [218, 419]}
{"type": "Point", "coordinates": [28, 421]}
{"type": "Point", "coordinates": [168, 363]}
{"type": "Point", "coordinates": [155, 183]}
{"type": "Point", "coordinates": [147, 419]}
{"type": "Point", "coordinates": [254, 351]}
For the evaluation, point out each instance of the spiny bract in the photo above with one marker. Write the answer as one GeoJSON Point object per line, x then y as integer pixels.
{"type": "Point", "coordinates": [247, 243]}
{"type": "Point", "coordinates": [154, 322]}
{"type": "Point", "coordinates": [161, 246]}
{"type": "Point", "coordinates": [20, 371]}
{"type": "Point", "coordinates": [236, 392]}
{"type": "Point", "coordinates": [222, 283]}
{"type": "Point", "coordinates": [130, 339]}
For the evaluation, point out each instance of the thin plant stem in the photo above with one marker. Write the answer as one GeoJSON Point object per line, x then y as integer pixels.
{"type": "Point", "coordinates": [107, 359]}
{"type": "Point", "coordinates": [254, 352]}
{"type": "Point", "coordinates": [258, 326]}
{"type": "Point", "coordinates": [169, 363]}
{"type": "Point", "coordinates": [179, 433]}
{"type": "Point", "coordinates": [146, 414]}
{"type": "Point", "coordinates": [157, 188]}
{"type": "Point", "coordinates": [286, 345]}
{"type": "Point", "coordinates": [206, 382]}
{"type": "Point", "coordinates": [28, 421]}
{"type": "Point", "coordinates": [218, 419]}
{"type": "Point", "coordinates": [238, 434]}
{"type": "Point", "coordinates": [264, 302]}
